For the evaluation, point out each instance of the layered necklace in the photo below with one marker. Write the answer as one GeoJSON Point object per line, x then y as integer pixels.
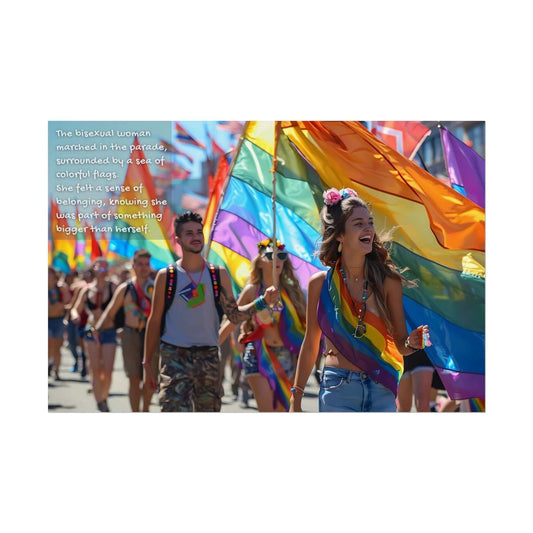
{"type": "Point", "coordinates": [360, 330]}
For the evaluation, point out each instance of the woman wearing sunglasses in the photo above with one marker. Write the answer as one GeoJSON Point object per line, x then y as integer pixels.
{"type": "Point", "coordinates": [101, 344]}
{"type": "Point", "coordinates": [273, 336]}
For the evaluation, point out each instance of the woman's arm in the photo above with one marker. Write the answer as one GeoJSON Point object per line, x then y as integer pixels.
{"type": "Point", "coordinates": [238, 313]}
{"type": "Point", "coordinates": [247, 295]}
{"type": "Point", "coordinates": [394, 297]}
{"type": "Point", "coordinates": [311, 342]}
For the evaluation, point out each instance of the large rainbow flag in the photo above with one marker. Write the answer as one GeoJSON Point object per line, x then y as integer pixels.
{"type": "Point", "coordinates": [439, 234]}
{"type": "Point", "coordinates": [139, 221]}
{"type": "Point", "coordinates": [245, 215]}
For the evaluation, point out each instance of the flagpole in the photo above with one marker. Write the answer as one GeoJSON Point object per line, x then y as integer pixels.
{"type": "Point", "coordinates": [224, 188]}
{"type": "Point", "coordinates": [277, 128]}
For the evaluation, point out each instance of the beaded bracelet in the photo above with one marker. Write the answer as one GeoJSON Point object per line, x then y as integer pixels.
{"type": "Point", "coordinates": [296, 388]}
{"type": "Point", "coordinates": [260, 303]}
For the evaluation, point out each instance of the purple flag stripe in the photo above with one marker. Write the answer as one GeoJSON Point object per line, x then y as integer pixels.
{"type": "Point", "coordinates": [462, 385]}
{"type": "Point", "coordinates": [465, 167]}
{"type": "Point", "coordinates": [239, 236]}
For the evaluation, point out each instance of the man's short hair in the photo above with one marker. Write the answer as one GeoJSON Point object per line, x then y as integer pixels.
{"type": "Point", "coordinates": [141, 252]}
{"type": "Point", "coordinates": [187, 216]}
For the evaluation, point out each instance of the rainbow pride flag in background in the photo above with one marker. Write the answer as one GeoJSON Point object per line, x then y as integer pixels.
{"type": "Point", "coordinates": [62, 245]}
{"type": "Point", "coordinates": [439, 235]}
{"type": "Point", "coordinates": [126, 238]}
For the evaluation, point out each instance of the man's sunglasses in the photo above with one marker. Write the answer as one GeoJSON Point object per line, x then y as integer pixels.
{"type": "Point", "coordinates": [281, 255]}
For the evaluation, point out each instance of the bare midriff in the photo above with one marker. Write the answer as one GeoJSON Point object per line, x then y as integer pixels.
{"type": "Point", "coordinates": [334, 358]}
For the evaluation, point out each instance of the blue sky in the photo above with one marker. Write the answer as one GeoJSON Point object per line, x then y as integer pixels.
{"type": "Point", "coordinates": [160, 130]}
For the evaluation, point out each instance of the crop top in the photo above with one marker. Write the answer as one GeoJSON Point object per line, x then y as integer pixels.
{"type": "Point", "coordinates": [98, 305]}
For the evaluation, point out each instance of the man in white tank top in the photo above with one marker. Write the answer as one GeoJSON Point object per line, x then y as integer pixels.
{"type": "Point", "coordinates": [189, 359]}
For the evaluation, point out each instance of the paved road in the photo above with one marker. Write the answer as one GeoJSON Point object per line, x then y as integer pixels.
{"type": "Point", "coordinates": [70, 395]}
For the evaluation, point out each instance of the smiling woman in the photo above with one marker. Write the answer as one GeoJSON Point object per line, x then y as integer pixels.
{"type": "Point", "coordinates": [357, 306]}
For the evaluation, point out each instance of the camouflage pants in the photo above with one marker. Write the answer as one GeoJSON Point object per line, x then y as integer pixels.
{"type": "Point", "coordinates": [189, 378]}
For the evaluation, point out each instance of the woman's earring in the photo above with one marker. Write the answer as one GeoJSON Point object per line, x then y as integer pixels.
{"type": "Point", "coordinates": [339, 248]}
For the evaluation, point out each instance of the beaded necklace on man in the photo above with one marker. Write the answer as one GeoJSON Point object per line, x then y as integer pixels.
{"type": "Point", "coordinates": [360, 330]}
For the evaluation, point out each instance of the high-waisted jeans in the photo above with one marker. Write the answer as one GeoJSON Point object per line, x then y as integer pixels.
{"type": "Point", "coordinates": [345, 390]}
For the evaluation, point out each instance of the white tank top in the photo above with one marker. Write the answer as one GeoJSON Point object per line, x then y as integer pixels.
{"type": "Point", "coordinates": [191, 326]}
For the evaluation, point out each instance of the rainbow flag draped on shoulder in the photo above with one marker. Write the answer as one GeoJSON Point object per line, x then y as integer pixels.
{"type": "Point", "coordinates": [375, 352]}
{"type": "Point", "coordinates": [292, 330]}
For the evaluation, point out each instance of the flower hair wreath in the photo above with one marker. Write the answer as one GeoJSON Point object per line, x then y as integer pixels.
{"type": "Point", "coordinates": [334, 196]}
{"type": "Point", "coordinates": [265, 243]}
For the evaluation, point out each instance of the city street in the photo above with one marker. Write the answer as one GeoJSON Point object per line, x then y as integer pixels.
{"type": "Point", "coordinates": [71, 394]}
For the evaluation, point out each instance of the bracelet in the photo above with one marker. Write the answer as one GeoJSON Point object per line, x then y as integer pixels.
{"type": "Point", "coordinates": [408, 346]}
{"type": "Point", "coordinates": [145, 363]}
{"type": "Point", "coordinates": [260, 303]}
{"type": "Point", "coordinates": [295, 388]}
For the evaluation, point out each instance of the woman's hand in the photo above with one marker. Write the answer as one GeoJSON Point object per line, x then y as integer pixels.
{"type": "Point", "coordinates": [419, 337]}
{"type": "Point", "coordinates": [271, 295]}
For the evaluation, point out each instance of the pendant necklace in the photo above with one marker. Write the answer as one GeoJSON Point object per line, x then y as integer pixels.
{"type": "Point", "coordinates": [360, 330]}
{"type": "Point", "coordinates": [199, 289]}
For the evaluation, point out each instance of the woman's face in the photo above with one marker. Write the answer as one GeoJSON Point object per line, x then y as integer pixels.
{"type": "Point", "coordinates": [267, 258]}
{"type": "Point", "coordinates": [101, 269]}
{"type": "Point", "coordinates": [359, 231]}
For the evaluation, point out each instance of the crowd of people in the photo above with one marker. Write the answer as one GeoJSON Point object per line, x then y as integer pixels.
{"type": "Point", "coordinates": [181, 326]}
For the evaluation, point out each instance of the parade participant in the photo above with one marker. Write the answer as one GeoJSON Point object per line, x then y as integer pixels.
{"type": "Point", "coordinates": [71, 281]}
{"type": "Point", "coordinates": [101, 345]}
{"type": "Point", "coordinates": [58, 298]}
{"type": "Point", "coordinates": [416, 382]}
{"type": "Point", "coordinates": [357, 305]}
{"type": "Point", "coordinates": [131, 305]}
{"type": "Point", "coordinates": [187, 323]}
{"type": "Point", "coordinates": [272, 337]}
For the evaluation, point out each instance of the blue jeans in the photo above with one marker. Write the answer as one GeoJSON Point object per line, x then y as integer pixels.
{"type": "Point", "coordinates": [345, 390]}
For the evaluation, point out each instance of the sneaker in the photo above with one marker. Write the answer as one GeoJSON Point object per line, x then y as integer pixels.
{"type": "Point", "coordinates": [74, 368]}
{"type": "Point", "coordinates": [102, 406]}
{"type": "Point", "coordinates": [56, 376]}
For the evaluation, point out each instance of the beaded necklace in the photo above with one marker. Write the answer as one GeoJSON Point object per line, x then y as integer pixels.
{"type": "Point", "coordinates": [360, 330]}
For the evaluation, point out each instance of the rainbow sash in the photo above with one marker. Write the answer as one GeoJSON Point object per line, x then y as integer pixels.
{"type": "Point", "coordinates": [292, 329]}
{"type": "Point", "coordinates": [375, 352]}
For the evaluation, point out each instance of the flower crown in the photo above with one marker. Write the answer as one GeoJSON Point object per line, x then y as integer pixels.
{"type": "Point", "coordinates": [334, 196]}
{"type": "Point", "coordinates": [265, 243]}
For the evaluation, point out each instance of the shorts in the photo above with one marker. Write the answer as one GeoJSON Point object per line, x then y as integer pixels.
{"type": "Point", "coordinates": [251, 364]}
{"type": "Point", "coordinates": [436, 382]}
{"type": "Point", "coordinates": [133, 351]}
{"type": "Point", "coordinates": [343, 390]}
{"type": "Point", "coordinates": [56, 328]}
{"type": "Point", "coordinates": [416, 362]}
{"type": "Point", "coordinates": [189, 378]}
{"type": "Point", "coordinates": [106, 336]}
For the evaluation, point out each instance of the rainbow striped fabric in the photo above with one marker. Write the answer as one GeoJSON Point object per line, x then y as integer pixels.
{"type": "Point", "coordinates": [292, 330]}
{"type": "Point", "coordinates": [439, 234]}
{"type": "Point", "coordinates": [133, 232]}
{"type": "Point", "coordinates": [245, 217]}
{"type": "Point", "coordinates": [375, 352]}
